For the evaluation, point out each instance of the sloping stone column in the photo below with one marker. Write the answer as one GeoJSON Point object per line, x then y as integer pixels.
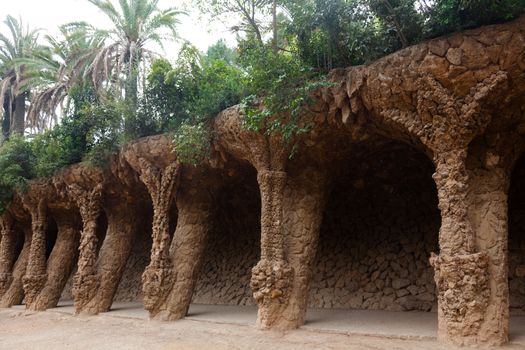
{"type": "Point", "coordinates": [15, 291]}
{"type": "Point", "coordinates": [194, 204]}
{"type": "Point", "coordinates": [488, 214]}
{"type": "Point", "coordinates": [7, 252]}
{"type": "Point", "coordinates": [36, 274]}
{"type": "Point", "coordinates": [86, 281]}
{"type": "Point", "coordinates": [303, 206]}
{"type": "Point", "coordinates": [272, 276]}
{"type": "Point", "coordinates": [122, 226]}
{"type": "Point", "coordinates": [158, 277]}
{"type": "Point", "coordinates": [61, 261]}
{"type": "Point", "coordinates": [461, 274]}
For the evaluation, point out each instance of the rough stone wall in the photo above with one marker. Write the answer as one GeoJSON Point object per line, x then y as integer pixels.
{"type": "Point", "coordinates": [130, 287]}
{"type": "Point", "coordinates": [380, 225]}
{"type": "Point", "coordinates": [233, 247]}
{"type": "Point", "coordinates": [517, 239]}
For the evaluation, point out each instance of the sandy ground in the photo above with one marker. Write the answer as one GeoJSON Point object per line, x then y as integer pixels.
{"type": "Point", "coordinates": [20, 329]}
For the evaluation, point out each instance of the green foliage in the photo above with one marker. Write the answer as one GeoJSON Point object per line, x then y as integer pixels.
{"type": "Point", "coordinates": [400, 19]}
{"type": "Point", "coordinates": [104, 134]}
{"type": "Point", "coordinates": [196, 89]}
{"type": "Point", "coordinates": [192, 142]}
{"type": "Point", "coordinates": [446, 16]}
{"type": "Point", "coordinates": [221, 51]}
{"type": "Point", "coordinates": [184, 97]}
{"type": "Point", "coordinates": [334, 33]}
{"type": "Point", "coordinates": [90, 133]}
{"type": "Point", "coordinates": [16, 167]}
{"type": "Point", "coordinates": [52, 151]}
{"type": "Point", "coordinates": [280, 87]}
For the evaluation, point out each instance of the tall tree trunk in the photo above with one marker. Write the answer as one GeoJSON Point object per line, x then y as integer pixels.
{"type": "Point", "coordinates": [131, 92]}
{"type": "Point", "coordinates": [19, 113]}
{"type": "Point", "coordinates": [402, 38]}
{"type": "Point", "coordinates": [274, 25]}
{"type": "Point", "coordinates": [6, 122]}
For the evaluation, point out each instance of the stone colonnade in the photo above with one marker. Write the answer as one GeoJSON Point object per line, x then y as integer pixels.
{"type": "Point", "coordinates": [458, 100]}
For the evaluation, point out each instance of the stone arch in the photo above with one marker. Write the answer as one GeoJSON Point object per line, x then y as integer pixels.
{"type": "Point", "coordinates": [234, 243]}
{"type": "Point", "coordinates": [380, 224]}
{"type": "Point", "coordinates": [130, 285]}
{"type": "Point", "coordinates": [14, 252]}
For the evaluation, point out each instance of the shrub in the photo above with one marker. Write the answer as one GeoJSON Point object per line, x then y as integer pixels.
{"type": "Point", "coordinates": [16, 167]}
{"type": "Point", "coordinates": [192, 143]}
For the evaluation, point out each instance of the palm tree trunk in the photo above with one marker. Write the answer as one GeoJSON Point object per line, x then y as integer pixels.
{"type": "Point", "coordinates": [6, 122]}
{"type": "Point", "coordinates": [274, 25]}
{"type": "Point", "coordinates": [131, 96]}
{"type": "Point", "coordinates": [132, 90]}
{"type": "Point", "coordinates": [18, 122]}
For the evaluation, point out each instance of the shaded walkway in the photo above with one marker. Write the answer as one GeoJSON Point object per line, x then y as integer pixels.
{"type": "Point", "coordinates": [389, 324]}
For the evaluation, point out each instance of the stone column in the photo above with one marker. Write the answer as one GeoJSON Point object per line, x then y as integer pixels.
{"type": "Point", "coordinates": [488, 215]}
{"type": "Point", "coordinates": [86, 281]}
{"type": "Point", "coordinates": [303, 206]}
{"type": "Point", "coordinates": [194, 206]}
{"type": "Point", "coordinates": [114, 253]}
{"type": "Point", "coordinates": [272, 276]}
{"type": "Point", "coordinates": [7, 252]}
{"type": "Point", "coordinates": [36, 274]}
{"type": "Point", "coordinates": [15, 293]}
{"type": "Point", "coordinates": [461, 274]}
{"type": "Point", "coordinates": [61, 261]}
{"type": "Point", "coordinates": [158, 277]}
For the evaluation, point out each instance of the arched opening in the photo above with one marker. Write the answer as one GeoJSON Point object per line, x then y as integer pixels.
{"type": "Point", "coordinates": [51, 235]}
{"type": "Point", "coordinates": [516, 251]}
{"type": "Point", "coordinates": [102, 228]}
{"type": "Point", "coordinates": [380, 224]}
{"type": "Point", "coordinates": [129, 291]}
{"type": "Point", "coordinates": [20, 240]}
{"type": "Point", "coordinates": [232, 251]}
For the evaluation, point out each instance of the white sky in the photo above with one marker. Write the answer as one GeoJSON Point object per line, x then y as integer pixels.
{"type": "Point", "coordinates": [49, 14]}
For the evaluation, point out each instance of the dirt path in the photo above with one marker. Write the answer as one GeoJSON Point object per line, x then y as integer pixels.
{"type": "Point", "coordinates": [50, 330]}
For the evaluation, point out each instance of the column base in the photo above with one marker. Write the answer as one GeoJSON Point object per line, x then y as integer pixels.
{"type": "Point", "coordinates": [462, 283]}
{"type": "Point", "coordinates": [84, 290]}
{"type": "Point", "coordinates": [5, 282]}
{"type": "Point", "coordinates": [271, 285]}
{"type": "Point", "coordinates": [33, 285]}
{"type": "Point", "coordinates": [156, 285]}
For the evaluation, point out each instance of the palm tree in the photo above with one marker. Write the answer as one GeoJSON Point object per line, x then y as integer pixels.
{"type": "Point", "coordinates": [58, 70]}
{"type": "Point", "coordinates": [14, 89]}
{"type": "Point", "coordinates": [136, 23]}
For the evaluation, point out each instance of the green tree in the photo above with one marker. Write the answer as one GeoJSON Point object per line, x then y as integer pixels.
{"type": "Point", "coordinates": [326, 34]}
{"type": "Point", "coordinates": [16, 167]}
{"type": "Point", "coordinates": [193, 91]}
{"type": "Point", "coordinates": [445, 16]}
{"type": "Point", "coordinates": [58, 71]}
{"type": "Point", "coordinates": [22, 42]}
{"type": "Point", "coordinates": [253, 16]}
{"type": "Point", "coordinates": [400, 18]}
{"type": "Point", "coordinates": [221, 51]}
{"type": "Point", "coordinates": [136, 23]}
